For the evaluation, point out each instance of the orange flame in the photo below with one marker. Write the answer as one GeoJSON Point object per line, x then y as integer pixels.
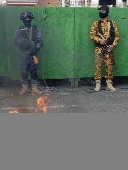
{"type": "Point", "coordinates": [42, 102]}
{"type": "Point", "coordinates": [14, 111]}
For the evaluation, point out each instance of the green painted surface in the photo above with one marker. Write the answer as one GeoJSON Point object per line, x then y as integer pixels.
{"type": "Point", "coordinates": [68, 51]}
{"type": "Point", "coordinates": [3, 51]}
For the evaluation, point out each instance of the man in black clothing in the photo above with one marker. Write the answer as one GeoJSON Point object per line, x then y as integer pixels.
{"type": "Point", "coordinates": [107, 2]}
{"type": "Point", "coordinates": [29, 40]}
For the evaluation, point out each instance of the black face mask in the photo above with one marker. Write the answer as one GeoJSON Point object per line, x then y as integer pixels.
{"type": "Point", "coordinates": [103, 15]}
{"type": "Point", "coordinates": [27, 23]}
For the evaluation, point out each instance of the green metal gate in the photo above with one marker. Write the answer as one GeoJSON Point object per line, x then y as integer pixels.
{"type": "Point", "coordinates": [68, 51]}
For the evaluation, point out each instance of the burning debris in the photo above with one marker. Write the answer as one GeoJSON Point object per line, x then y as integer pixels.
{"type": "Point", "coordinates": [23, 110]}
{"type": "Point", "coordinates": [41, 103]}
{"type": "Point", "coordinates": [14, 111]}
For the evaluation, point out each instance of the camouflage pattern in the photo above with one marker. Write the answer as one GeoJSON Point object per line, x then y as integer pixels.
{"type": "Point", "coordinates": [18, 35]}
{"type": "Point", "coordinates": [26, 59]}
{"type": "Point", "coordinates": [104, 27]}
{"type": "Point", "coordinates": [107, 59]}
{"type": "Point", "coordinates": [27, 64]}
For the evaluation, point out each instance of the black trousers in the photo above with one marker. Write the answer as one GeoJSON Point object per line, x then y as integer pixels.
{"type": "Point", "coordinates": [107, 2]}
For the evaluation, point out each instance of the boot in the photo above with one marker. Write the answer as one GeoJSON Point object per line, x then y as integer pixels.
{"type": "Point", "coordinates": [110, 86]}
{"type": "Point", "coordinates": [35, 89]}
{"type": "Point", "coordinates": [98, 85]}
{"type": "Point", "coordinates": [24, 89]}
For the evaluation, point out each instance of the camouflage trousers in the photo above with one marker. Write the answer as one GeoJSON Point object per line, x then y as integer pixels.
{"type": "Point", "coordinates": [107, 60]}
{"type": "Point", "coordinates": [27, 66]}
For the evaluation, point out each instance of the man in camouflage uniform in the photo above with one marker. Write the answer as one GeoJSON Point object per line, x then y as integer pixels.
{"type": "Point", "coordinates": [29, 40]}
{"type": "Point", "coordinates": [105, 35]}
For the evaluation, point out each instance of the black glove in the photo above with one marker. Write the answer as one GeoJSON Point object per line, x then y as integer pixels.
{"type": "Point", "coordinates": [24, 44]}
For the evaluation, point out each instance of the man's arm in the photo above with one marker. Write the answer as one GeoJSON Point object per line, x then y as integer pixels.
{"type": "Point", "coordinates": [39, 39]}
{"type": "Point", "coordinates": [116, 37]}
{"type": "Point", "coordinates": [93, 32]}
{"type": "Point", "coordinates": [38, 46]}
{"type": "Point", "coordinates": [39, 42]}
{"type": "Point", "coordinates": [115, 42]}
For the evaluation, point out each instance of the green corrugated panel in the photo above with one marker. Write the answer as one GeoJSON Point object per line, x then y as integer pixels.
{"type": "Point", "coordinates": [58, 51]}
{"type": "Point", "coordinates": [84, 48]}
{"type": "Point", "coordinates": [120, 15]}
{"type": "Point", "coordinates": [121, 53]}
{"type": "Point", "coordinates": [3, 52]}
{"type": "Point", "coordinates": [68, 51]}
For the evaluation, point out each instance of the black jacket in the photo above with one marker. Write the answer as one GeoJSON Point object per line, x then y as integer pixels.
{"type": "Point", "coordinates": [107, 2]}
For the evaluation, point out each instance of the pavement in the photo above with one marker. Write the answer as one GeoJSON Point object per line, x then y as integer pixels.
{"type": "Point", "coordinates": [60, 97]}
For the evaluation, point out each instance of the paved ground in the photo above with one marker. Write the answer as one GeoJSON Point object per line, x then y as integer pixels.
{"type": "Point", "coordinates": [64, 99]}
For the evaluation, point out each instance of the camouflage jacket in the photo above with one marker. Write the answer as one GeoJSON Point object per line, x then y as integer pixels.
{"type": "Point", "coordinates": [104, 28]}
{"type": "Point", "coordinates": [22, 32]}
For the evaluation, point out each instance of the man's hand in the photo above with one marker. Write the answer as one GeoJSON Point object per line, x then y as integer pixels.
{"type": "Point", "coordinates": [110, 48]}
{"type": "Point", "coordinates": [102, 42]}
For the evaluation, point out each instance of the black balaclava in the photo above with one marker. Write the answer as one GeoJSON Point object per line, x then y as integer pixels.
{"type": "Point", "coordinates": [103, 15]}
{"type": "Point", "coordinates": [27, 23]}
